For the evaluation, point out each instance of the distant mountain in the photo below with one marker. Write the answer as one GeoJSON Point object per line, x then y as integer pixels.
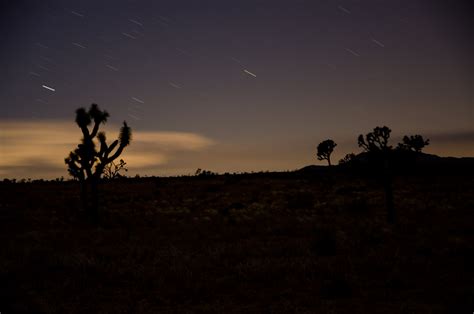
{"type": "Point", "coordinates": [406, 161]}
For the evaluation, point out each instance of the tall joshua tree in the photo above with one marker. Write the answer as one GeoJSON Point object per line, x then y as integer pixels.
{"type": "Point", "coordinates": [86, 163]}
{"type": "Point", "coordinates": [376, 144]}
{"type": "Point", "coordinates": [325, 149]}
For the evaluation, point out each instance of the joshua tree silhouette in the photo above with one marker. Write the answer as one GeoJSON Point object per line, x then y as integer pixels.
{"type": "Point", "coordinates": [325, 149]}
{"type": "Point", "coordinates": [375, 141]}
{"type": "Point", "coordinates": [86, 163]}
{"type": "Point", "coordinates": [414, 143]}
{"type": "Point", "coordinates": [376, 145]}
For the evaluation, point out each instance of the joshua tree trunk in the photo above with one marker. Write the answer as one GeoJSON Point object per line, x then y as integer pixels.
{"type": "Point", "coordinates": [83, 187]}
{"type": "Point", "coordinates": [388, 187]}
{"type": "Point", "coordinates": [90, 198]}
{"type": "Point", "coordinates": [94, 208]}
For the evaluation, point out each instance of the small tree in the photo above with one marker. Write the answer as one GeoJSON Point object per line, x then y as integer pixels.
{"type": "Point", "coordinates": [414, 143]}
{"type": "Point", "coordinates": [112, 170]}
{"type": "Point", "coordinates": [347, 159]}
{"type": "Point", "coordinates": [325, 149]}
{"type": "Point", "coordinates": [86, 163]}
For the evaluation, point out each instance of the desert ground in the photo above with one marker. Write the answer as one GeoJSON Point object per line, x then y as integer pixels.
{"type": "Point", "coordinates": [288, 242]}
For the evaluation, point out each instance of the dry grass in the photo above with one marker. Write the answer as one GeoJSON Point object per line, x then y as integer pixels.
{"type": "Point", "coordinates": [264, 243]}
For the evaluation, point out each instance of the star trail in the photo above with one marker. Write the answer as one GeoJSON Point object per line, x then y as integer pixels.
{"type": "Point", "coordinates": [264, 81]}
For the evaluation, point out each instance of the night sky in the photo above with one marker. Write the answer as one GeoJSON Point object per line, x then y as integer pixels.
{"type": "Point", "coordinates": [232, 85]}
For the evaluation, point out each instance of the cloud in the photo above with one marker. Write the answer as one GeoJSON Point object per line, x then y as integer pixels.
{"type": "Point", "coordinates": [462, 136]}
{"type": "Point", "coordinates": [37, 149]}
{"type": "Point", "coordinates": [455, 143]}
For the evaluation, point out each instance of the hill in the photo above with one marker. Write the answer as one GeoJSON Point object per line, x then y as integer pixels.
{"type": "Point", "coordinates": [405, 163]}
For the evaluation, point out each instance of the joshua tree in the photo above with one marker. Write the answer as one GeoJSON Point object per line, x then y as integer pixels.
{"type": "Point", "coordinates": [86, 163]}
{"type": "Point", "coordinates": [325, 149]}
{"type": "Point", "coordinates": [376, 144]}
{"type": "Point", "coordinates": [414, 143]}
{"type": "Point", "coordinates": [375, 141]}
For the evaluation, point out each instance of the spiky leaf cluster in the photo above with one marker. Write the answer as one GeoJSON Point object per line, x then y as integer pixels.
{"type": "Point", "coordinates": [375, 141]}
{"type": "Point", "coordinates": [414, 143]}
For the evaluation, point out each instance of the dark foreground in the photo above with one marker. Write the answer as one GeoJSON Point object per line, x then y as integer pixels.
{"type": "Point", "coordinates": [262, 243]}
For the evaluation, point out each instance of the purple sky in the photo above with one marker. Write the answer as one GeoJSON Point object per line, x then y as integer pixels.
{"type": "Point", "coordinates": [258, 84]}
